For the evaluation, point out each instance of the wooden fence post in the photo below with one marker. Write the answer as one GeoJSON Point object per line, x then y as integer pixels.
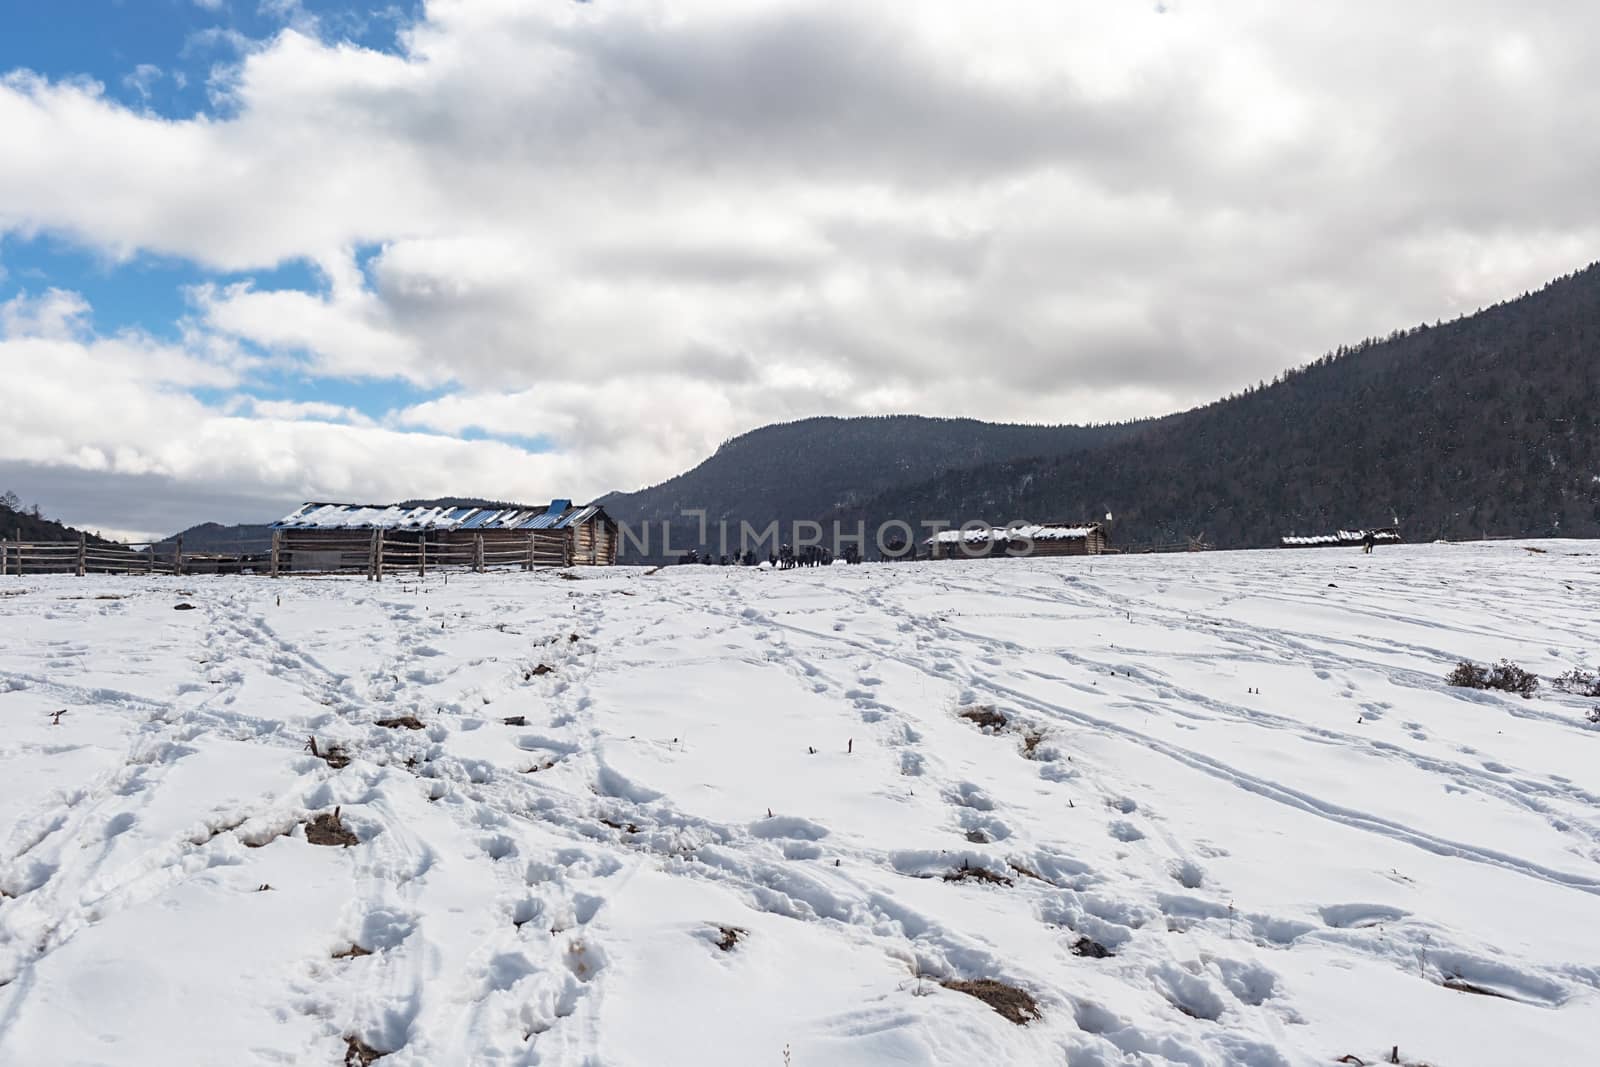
{"type": "Point", "coordinates": [422, 554]}
{"type": "Point", "coordinates": [3, 554]}
{"type": "Point", "coordinates": [177, 556]}
{"type": "Point", "coordinates": [382, 545]}
{"type": "Point", "coordinates": [477, 552]}
{"type": "Point", "coordinates": [528, 566]}
{"type": "Point", "coordinates": [83, 549]}
{"type": "Point", "coordinates": [276, 536]}
{"type": "Point", "coordinates": [373, 553]}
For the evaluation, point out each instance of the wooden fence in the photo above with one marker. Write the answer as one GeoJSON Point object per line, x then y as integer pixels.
{"type": "Point", "coordinates": [386, 552]}
{"type": "Point", "coordinates": [300, 552]}
{"type": "Point", "coordinates": [83, 556]}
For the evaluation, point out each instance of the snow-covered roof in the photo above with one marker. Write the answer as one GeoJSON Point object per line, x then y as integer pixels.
{"type": "Point", "coordinates": [1343, 537]}
{"type": "Point", "coordinates": [1032, 532]}
{"type": "Point", "coordinates": [559, 515]}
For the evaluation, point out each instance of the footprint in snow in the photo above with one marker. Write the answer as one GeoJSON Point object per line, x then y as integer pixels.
{"type": "Point", "coordinates": [1125, 831]}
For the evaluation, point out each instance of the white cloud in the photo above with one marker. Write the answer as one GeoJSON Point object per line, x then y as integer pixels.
{"type": "Point", "coordinates": [143, 79]}
{"type": "Point", "coordinates": [633, 229]}
{"type": "Point", "coordinates": [55, 315]}
{"type": "Point", "coordinates": [122, 408]}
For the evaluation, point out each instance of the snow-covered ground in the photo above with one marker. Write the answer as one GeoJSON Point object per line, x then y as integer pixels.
{"type": "Point", "coordinates": [1239, 773]}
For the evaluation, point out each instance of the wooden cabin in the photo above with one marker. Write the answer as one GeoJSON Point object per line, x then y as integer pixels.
{"type": "Point", "coordinates": [1021, 539]}
{"type": "Point", "coordinates": [1387, 535]}
{"type": "Point", "coordinates": [333, 538]}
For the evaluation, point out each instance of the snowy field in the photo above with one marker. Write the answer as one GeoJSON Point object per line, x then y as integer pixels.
{"type": "Point", "coordinates": [611, 842]}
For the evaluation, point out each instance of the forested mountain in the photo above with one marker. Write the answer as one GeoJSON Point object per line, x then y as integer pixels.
{"type": "Point", "coordinates": [1487, 425]}
{"type": "Point", "coordinates": [224, 539]}
{"type": "Point", "coordinates": [811, 467]}
{"type": "Point", "coordinates": [27, 524]}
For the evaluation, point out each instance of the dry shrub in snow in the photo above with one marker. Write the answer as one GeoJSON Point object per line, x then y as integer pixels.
{"type": "Point", "coordinates": [1468, 675]}
{"type": "Point", "coordinates": [1510, 678]}
{"type": "Point", "coordinates": [1504, 676]}
{"type": "Point", "coordinates": [1579, 681]}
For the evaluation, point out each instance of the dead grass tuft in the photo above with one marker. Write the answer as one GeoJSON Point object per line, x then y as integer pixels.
{"type": "Point", "coordinates": [352, 953]}
{"type": "Point", "coordinates": [357, 1053]}
{"type": "Point", "coordinates": [984, 717]}
{"type": "Point", "coordinates": [731, 936]}
{"type": "Point", "coordinates": [968, 873]}
{"type": "Point", "coordinates": [1015, 1004]}
{"type": "Point", "coordinates": [1025, 872]}
{"type": "Point", "coordinates": [328, 829]}
{"type": "Point", "coordinates": [402, 722]}
{"type": "Point", "coordinates": [334, 755]}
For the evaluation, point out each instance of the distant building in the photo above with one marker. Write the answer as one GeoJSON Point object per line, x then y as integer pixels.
{"type": "Point", "coordinates": [324, 538]}
{"type": "Point", "coordinates": [1388, 535]}
{"type": "Point", "coordinates": [1047, 539]}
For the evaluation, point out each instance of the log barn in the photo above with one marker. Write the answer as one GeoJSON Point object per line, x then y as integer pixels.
{"type": "Point", "coordinates": [332, 538]}
{"type": "Point", "coordinates": [1021, 539]}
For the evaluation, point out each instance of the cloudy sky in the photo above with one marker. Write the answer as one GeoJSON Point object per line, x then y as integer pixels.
{"type": "Point", "coordinates": [259, 251]}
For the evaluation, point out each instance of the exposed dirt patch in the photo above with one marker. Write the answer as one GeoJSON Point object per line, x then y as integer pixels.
{"type": "Point", "coordinates": [977, 837]}
{"type": "Point", "coordinates": [627, 828]}
{"type": "Point", "coordinates": [537, 672]}
{"type": "Point", "coordinates": [402, 722]}
{"type": "Point", "coordinates": [352, 953]}
{"type": "Point", "coordinates": [1025, 872]}
{"type": "Point", "coordinates": [1090, 949]}
{"type": "Point", "coordinates": [1015, 1004]}
{"type": "Point", "coordinates": [1031, 740]}
{"type": "Point", "coordinates": [328, 829]}
{"type": "Point", "coordinates": [515, 720]}
{"type": "Point", "coordinates": [357, 1053]}
{"type": "Point", "coordinates": [185, 606]}
{"type": "Point", "coordinates": [984, 717]}
{"type": "Point", "coordinates": [968, 873]}
{"type": "Point", "coordinates": [731, 936]}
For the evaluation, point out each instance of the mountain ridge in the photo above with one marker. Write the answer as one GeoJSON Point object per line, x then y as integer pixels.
{"type": "Point", "coordinates": [1381, 431]}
